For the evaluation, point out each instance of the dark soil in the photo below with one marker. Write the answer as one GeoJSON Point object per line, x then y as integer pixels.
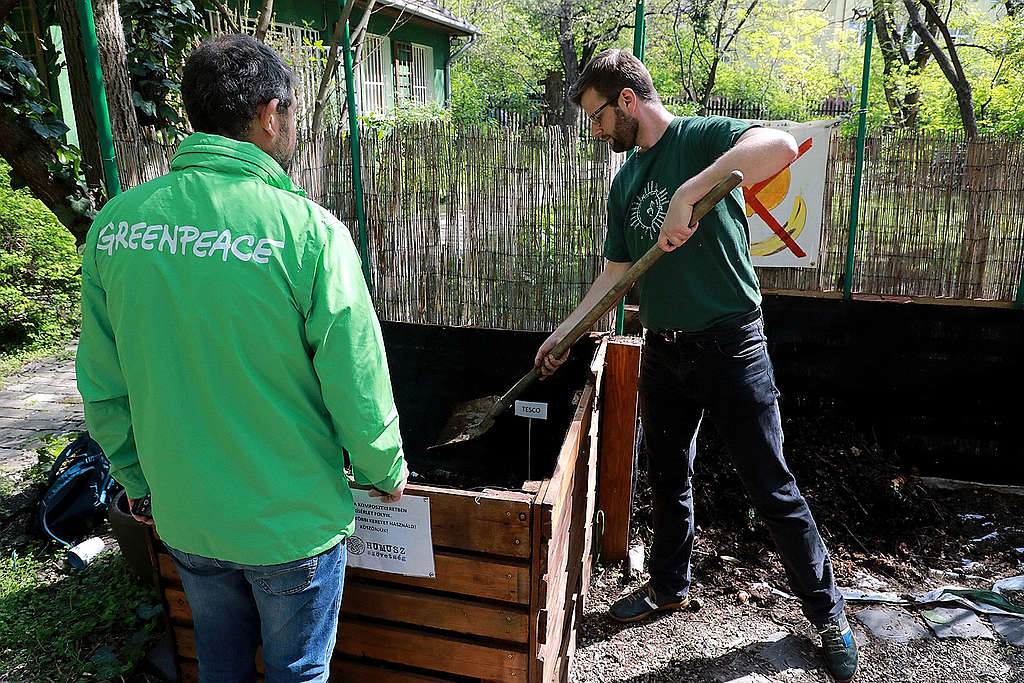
{"type": "Point", "coordinates": [873, 514]}
{"type": "Point", "coordinates": [885, 532]}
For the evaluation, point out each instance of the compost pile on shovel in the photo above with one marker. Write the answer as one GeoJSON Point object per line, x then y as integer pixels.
{"type": "Point", "coordinates": [879, 523]}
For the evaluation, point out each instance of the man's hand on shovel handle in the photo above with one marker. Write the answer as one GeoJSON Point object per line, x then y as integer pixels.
{"type": "Point", "coordinates": [545, 361]}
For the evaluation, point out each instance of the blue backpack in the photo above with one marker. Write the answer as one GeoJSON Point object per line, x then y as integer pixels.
{"type": "Point", "coordinates": [78, 487]}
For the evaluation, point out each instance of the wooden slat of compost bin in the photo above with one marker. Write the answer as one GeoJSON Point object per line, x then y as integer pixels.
{"type": "Point", "coordinates": [410, 647]}
{"type": "Point", "coordinates": [471, 575]}
{"type": "Point", "coordinates": [502, 622]}
{"type": "Point", "coordinates": [561, 583]}
{"type": "Point", "coordinates": [554, 525]}
{"type": "Point", "coordinates": [468, 575]}
{"type": "Point", "coordinates": [433, 651]}
{"type": "Point", "coordinates": [484, 522]}
{"type": "Point", "coordinates": [416, 608]}
{"type": "Point", "coordinates": [342, 671]}
{"type": "Point", "coordinates": [618, 435]}
{"type": "Point", "coordinates": [348, 670]}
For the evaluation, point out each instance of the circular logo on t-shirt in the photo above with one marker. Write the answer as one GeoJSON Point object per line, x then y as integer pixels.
{"type": "Point", "coordinates": [355, 545]}
{"type": "Point", "coordinates": [648, 210]}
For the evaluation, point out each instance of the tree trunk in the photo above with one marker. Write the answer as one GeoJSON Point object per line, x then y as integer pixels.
{"type": "Point", "coordinates": [570, 62]}
{"type": "Point", "coordinates": [28, 153]}
{"type": "Point", "coordinates": [81, 99]}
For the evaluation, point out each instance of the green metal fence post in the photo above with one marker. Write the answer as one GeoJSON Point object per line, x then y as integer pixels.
{"type": "Point", "coordinates": [357, 178]}
{"type": "Point", "coordinates": [1019, 303]}
{"type": "Point", "coordinates": [99, 98]}
{"type": "Point", "coordinates": [859, 166]}
{"type": "Point", "coordinates": [639, 45]}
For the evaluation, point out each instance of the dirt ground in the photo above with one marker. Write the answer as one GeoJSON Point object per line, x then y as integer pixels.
{"type": "Point", "coordinates": [886, 532]}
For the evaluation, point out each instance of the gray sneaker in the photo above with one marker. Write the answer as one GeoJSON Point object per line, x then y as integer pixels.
{"type": "Point", "coordinates": [642, 603]}
{"type": "Point", "coordinates": [839, 648]}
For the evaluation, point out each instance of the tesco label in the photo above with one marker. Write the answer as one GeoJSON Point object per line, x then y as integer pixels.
{"type": "Point", "coordinates": [534, 411]}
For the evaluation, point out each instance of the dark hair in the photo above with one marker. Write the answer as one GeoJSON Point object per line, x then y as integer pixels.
{"type": "Point", "coordinates": [610, 72]}
{"type": "Point", "coordinates": [226, 78]}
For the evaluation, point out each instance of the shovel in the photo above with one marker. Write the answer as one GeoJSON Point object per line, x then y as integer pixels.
{"type": "Point", "coordinates": [473, 418]}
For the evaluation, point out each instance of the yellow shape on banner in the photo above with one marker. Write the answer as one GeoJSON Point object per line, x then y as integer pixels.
{"type": "Point", "coordinates": [772, 194]}
{"type": "Point", "coordinates": [794, 226]}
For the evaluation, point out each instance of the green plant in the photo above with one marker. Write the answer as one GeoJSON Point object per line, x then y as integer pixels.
{"type": "Point", "coordinates": [160, 34]}
{"type": "Point", "coordinates": [57, 625]}
{"type": "Point", "coordinates": [22, 96]}
{"type": "Point", "coordinates": [39, 280]}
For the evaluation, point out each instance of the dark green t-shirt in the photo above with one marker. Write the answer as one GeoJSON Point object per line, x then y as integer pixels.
{"type": "Point", "coordinates": [710, 277]}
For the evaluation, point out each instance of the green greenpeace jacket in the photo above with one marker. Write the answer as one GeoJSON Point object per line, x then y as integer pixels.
{"type": "Point", "coordinates": [229, 352]}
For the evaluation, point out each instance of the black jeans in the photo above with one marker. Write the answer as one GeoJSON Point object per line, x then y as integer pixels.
{"type": "Point", "coordinates": [726, 373]}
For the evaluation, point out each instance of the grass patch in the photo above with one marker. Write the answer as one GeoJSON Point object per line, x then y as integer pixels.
{"type": "Point", "coordinates": [64, 625]}
{"type": "Point", "coordinates": [39, 279]}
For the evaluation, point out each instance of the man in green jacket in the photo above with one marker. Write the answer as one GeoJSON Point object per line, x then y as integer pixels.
{"type": "Point", "coordinates": [229, 353]}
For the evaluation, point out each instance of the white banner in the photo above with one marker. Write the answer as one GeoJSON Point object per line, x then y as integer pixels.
{"type": "Point", "coordinates": [785, 211]}
{"type": "Point", "coordinates": [391, 537]}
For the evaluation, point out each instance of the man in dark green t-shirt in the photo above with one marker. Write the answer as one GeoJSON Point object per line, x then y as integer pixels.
{"type": "Point", "coordinates": [705, 354]}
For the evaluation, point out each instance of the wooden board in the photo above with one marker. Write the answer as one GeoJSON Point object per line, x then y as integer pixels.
{"type": "Point", "coordinates": [618, 435]}
{"type": "Point", "coordinates": [507, 580]}
{"type": "Point", "coordinates": [434, 651]}
{"type": "Point", "coordinates": [496, 524]}
{"type": "Point", "coordinates": [419, 608]}
{"type": "Point", "coordinates": [472, 575]}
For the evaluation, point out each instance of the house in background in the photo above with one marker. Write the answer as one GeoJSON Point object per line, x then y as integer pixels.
{"type": "Point", "coordinates": [405, 58]}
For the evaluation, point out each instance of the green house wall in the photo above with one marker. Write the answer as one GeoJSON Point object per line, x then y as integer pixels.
{"type": "Point", "coordinates": [321, 16]}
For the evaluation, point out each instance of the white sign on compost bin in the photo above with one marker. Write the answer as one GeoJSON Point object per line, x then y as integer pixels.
{"type": "Point", "coordinates": [391, 537]}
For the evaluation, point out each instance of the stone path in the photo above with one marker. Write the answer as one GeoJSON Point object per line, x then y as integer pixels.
{"type": "Point", "coordinates": [39, 399]}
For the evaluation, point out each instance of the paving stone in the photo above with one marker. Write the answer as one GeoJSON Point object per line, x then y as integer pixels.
{"type": "Point", "coordinates": [8, 414]}
{"type": "Point", "coordinates": [40, 397]}
{"type": "Point", "coordinates": [955, 622]}
{"type": "Point", "coordinates": [1010, 628]}
{"type": "Point", "coordinates": [890, 624]}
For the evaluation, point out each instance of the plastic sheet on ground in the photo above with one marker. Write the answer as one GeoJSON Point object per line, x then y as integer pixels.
{"type": "Point", "coordinates": [981, 601]}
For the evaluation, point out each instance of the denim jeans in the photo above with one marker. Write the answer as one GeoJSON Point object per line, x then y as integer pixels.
{"type": "Point", "coordinates": [725, 374]}
{"type": "Point", "coordinates": [292, 607]}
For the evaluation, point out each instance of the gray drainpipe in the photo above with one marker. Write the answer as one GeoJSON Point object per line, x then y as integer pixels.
{"type": "Point", "coordinates": [448, 73]}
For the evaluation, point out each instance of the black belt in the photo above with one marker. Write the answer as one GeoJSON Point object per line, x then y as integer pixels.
{"type": "Point", "coordinates": [727, 325]}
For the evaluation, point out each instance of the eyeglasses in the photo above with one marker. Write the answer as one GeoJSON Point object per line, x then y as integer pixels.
{"type": "Point", "coordinates": [595, 117]}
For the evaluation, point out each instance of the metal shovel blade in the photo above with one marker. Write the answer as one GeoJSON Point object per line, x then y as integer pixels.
{"type": "Point", "coordinates": [467, 421]}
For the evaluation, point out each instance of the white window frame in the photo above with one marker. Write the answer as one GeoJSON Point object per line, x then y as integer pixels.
{"type": "Point", "coordinates": [373, 76]}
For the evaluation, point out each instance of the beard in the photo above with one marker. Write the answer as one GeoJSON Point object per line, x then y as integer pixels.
{"type": "Point", "coordinates": [623, 135]}
{"type": "Point", "coordinates": [284, 151]}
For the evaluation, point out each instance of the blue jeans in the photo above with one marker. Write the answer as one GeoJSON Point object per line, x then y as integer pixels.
{"type": "Point", "coordinates": [725, 374]}
{"type": "Point", "coordinates": [293, 607]}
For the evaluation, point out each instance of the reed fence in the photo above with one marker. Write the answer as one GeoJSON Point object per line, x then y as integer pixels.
{"type": "Point", "coordinates": [504, 226]}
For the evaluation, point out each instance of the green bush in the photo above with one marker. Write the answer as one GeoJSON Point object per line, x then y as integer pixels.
{"type": "Point", "coordinates": [39, 273]}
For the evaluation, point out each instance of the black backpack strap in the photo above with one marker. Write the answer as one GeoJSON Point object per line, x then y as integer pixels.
{"type": "Point", "coordinates": [77, 448]}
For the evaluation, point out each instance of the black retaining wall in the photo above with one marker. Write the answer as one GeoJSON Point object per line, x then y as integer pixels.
{"type": "Point", "coordinates": [941, 386]}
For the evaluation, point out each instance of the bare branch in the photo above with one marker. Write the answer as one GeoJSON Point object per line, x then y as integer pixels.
{"type": "Point", "coordinates": [264, 23]}
{"type": "Point", "coordinates": [227, 16]}
{"type": "Point", "coordinates": [330, 68]}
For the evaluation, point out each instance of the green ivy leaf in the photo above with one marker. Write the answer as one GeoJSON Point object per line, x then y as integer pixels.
{"type": "Point", "coordinates": [147, 107]}
{"type": "Point", "coordinates": [49, 127]}
{"type": "Point", "coordinates": [12, 61]}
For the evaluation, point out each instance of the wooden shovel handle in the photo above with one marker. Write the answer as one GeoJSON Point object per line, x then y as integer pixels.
{"type": "Point", "coordinates": [619, 289]}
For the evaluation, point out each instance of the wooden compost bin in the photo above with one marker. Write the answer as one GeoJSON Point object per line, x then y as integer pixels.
{"type": "Point", "coordinates": [512, 563]}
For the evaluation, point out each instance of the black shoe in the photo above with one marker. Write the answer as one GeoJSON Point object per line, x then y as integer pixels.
{"type": "Point", "coordinates": [642, 603]}
{"type": "Point", "coordinates": [840, 648]}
